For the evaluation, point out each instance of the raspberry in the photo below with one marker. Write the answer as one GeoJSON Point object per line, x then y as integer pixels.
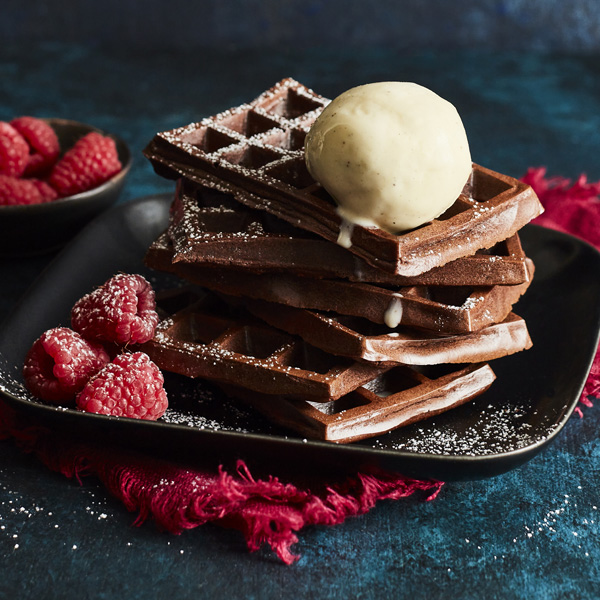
{"type": "Point", "coordinates": [47, 193]}
{"type": "Point", "coordinates": [123, 310]}
{"type": "Point", "coordinates": [44, 147]}
{"type": "Point", "coordinates": [15, 191]}
{"type": "Point", "coordinates": [60, 363]}
{"type": "Point", "coordinates": [130, 386]}
{"type": "Point", "coordinates": [91, 161]}
{"type": "Point", "coordinates": [14, 151]}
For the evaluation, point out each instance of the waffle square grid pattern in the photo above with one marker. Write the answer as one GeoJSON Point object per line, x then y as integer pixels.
{"type": "Point", "coordinates": [209, 227]}
{"type": "Point", "coordinates": [257, 148]}
{"type": "Point", "coordinates": [336, 341]}
{"type": "Point", "coordinates": [297, 385]}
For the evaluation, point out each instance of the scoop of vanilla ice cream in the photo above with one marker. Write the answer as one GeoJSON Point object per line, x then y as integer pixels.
{"type": "Point", "coordinates": [393, 155]}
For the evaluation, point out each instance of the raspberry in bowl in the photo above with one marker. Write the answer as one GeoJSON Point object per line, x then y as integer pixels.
{"type": "Point", "coordinates": [55, 176]}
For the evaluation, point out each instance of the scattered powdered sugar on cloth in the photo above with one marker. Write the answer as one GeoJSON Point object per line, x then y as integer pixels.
{"type": "Point", "coordinates": [269, 511]}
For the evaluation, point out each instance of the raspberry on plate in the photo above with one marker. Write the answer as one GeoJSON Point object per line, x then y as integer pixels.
{"type": "Point", "coordinates": [60, 363]}
{"type": "Point", "coordinates": [130, 386]}
{"type": "Point", "coordinates": [14, 191]}
{"type": "Point", "coordinates": [14, 151]}
{"type": "Point", "coordinates": [91, 161]}
{"type": "Point", "coordinates": [44, 147]}
{"type": "Point", "coordinates": [123, 310]}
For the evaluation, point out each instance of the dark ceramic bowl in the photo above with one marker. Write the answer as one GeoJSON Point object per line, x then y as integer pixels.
{"type": "Point", "coordinates": [40, 228]}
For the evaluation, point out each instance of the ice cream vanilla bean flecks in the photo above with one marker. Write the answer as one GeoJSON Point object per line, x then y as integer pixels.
{"type": "Point", "coordinates": [393, 155]}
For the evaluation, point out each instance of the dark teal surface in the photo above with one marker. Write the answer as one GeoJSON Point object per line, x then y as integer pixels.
{"type": "Point", "coordinates": [408, 24]}
{"type": "Point", "coordinates": [531, 533]}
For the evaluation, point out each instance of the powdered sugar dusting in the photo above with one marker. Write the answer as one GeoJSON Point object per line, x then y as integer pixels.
{"type": "Point", "coordinates": [10, 381]}
{"type": "Point", "coordinates": [18, 512]}
{"type": "Point", "coordinates": [194, 408]}
{"type": "Point", "coordinates": [495, 431]}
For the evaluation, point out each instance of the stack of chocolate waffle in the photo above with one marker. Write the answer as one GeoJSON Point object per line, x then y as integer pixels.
{"type": "Point", "coordinates": [337, 332]}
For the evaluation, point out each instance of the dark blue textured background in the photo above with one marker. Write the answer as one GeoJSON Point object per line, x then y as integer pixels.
{"type": "Point", "coordinates": [525, 77]}
{"type": "Point", "coordinates": [407, 24]}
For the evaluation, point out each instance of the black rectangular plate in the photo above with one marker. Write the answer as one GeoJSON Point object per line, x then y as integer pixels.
{"type": "Point", "coordinates": [533, 397]}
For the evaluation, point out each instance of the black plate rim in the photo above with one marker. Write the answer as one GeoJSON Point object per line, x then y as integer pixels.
{"type": "Point", "coordinates": [514, 457]}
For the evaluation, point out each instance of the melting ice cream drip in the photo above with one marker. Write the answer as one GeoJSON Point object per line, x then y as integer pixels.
{"type": "Point", "coordinates": [393, 313]}
{"type": "Point", "coordinates": [345, 235]}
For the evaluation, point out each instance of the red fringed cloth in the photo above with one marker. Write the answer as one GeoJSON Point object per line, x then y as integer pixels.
{"type": "Point", "coordinates": [270, 511]}
{"type": "Point", "coordinates": [266, 511]}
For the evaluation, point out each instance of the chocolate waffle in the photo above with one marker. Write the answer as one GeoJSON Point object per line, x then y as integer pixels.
{"type": "Point", "coordinates": [362, 340]}
{"type": "Point", "coordinates": [448, 310]}
{"type": "Point", "coordinates": [255, 152]}
{"type": "Point", "coordinates": [294, 384]}
{"type": "Point", "coordinates": [210, 339]}
{"type": "Point", "coordinates": [209, 227]}
{"type": "Point", "coordinates": [396, 398]}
